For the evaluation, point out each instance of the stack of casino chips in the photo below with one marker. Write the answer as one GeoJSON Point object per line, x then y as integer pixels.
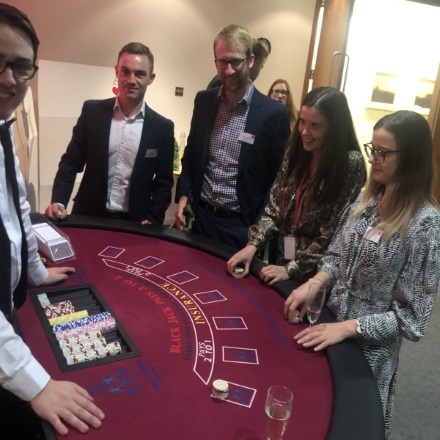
{"type": "Point", "coordinates": [80, 336]}
{"type": "Point", "coordinates": [87, 347]}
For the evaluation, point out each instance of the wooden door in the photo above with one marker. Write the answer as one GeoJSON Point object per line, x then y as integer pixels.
{"type": "Point", "coordinates": [333, 38]}
{"type": "Point", "coordinates": [331, 53]}
{"type": "Point", "coordinates": [434, 122]}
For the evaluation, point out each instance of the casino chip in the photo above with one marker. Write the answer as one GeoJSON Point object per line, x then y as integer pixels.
{"type": "Point", "coordinates": [238, 271]}
{"type": "Point", "coordinates": [220, 389]}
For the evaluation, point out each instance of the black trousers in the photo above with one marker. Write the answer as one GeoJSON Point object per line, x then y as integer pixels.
{"type": "Point", "coordinates": [17, 420]}
{"type": "Point", "coordinates": [231, 231]}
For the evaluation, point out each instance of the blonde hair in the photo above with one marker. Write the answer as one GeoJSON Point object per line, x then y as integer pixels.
{"type": "Point", "coordinates": [237, 36]}
{"type": "Point", "coordinates": [412, 186]}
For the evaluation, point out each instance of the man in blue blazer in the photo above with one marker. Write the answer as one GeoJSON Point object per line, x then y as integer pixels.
{"type": "Point", "coordinates": [126, 148]}
{"type": "Point", "coordinates": [235, 146]}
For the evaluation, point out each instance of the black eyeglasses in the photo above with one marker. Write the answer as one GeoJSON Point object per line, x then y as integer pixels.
{"type": "Point", "coordinates": [279, 92]}
{"type": "Point", "coordinates": [379, 155]}
{"type": "Point", "coordinates": [20, 69]}
{"type": "Point", "coordinates": [236, 63]}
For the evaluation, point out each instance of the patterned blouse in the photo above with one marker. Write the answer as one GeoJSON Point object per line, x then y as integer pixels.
{"type": "Point", "coordinates": [315, 225]}
{"type": "Point", "coordinates": [389, 287]}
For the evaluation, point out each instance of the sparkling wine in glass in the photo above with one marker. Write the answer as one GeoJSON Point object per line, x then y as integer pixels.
{"type": "Point", "coordinates": [315, 302]}
{"type": "Point", "coordinates": [278, 410]}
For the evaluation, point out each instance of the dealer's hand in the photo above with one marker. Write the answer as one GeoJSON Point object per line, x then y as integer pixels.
{"type": "Point", "coordinates": [322, 335]}
{"type": "Point", "coordinates": [57, 274]}
{"type": "Point", "coordinates": [272, 274]}
{"type": "Point", "coordinates": [67, 402]}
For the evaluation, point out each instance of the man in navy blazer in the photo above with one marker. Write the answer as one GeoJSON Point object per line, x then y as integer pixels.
{"type": "Point", "coordinates": [125, 147]}
{"type": "Point", "coordinates": [235, 147]}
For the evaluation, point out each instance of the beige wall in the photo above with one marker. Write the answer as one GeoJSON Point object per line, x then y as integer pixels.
{"type": "Point", "coordinates": [80, 40]}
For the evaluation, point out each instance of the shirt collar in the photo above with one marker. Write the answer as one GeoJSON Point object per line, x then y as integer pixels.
{"type": "Point", "coordinates": [141, 113]}
{"type": "Point", "coordinates": [247, 98]}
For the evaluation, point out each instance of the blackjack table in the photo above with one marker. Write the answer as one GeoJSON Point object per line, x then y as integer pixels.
{"type": "Point", "coordinates": [182, 322]}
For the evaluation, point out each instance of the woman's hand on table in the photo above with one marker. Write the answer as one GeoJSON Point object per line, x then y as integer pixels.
{"type": "Point", "coordinates": [272, 274]}
{"type": "Point", "coordinates": [295, 306]}
{"type": "Point", "coordinates": [243, 257]}
{"type": "Point", "coordinates": [322, 335]}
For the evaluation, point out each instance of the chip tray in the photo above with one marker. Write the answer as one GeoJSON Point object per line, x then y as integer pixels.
{"type": "Point", "coordinates": [83, 297]}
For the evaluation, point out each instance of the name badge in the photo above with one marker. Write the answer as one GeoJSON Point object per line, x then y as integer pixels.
{"type": "Point", "coordinates": [246, 137]}
{"type": "Point", "coordinates": [289, 247]}
{"type": "Point", "coordinates": [151, 153]}
{"type": "Point", "coordinates": [373, 234]}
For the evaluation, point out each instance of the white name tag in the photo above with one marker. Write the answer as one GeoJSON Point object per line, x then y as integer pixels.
{"type": "Point", "coordinates": [289, 248]}
{"type": "Point", "coordinates": [246, 137]}
{"type": "Point", "coordinates": [373, 234]}
{"type": "Point", "coordinates": [151, 153]}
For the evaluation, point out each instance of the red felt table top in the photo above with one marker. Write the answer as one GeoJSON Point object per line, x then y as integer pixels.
{"type": "Point", "coordinates": [193, 324]}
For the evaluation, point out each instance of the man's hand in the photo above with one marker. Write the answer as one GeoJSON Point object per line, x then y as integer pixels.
{"type": "Point", "coordinates": [68, 402]}
{"type": "Point", "coordinates": [272, 274]}
{"type": "Point", "coordinates": [57, 274]}
{"type": "Point", "coordinates": [180, 218]}
{"type": "Point", "coordinates": [55, 212]}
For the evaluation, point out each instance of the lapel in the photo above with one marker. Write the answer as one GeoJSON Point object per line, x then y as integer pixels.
{"type": "Point", "coordinates": [208, 122]}
{"type": "Point", "coordinates": [147, 133]}
{"type": "Point", "coordinates": [102, 124]}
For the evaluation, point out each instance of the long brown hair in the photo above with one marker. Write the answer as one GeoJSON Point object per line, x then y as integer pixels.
{"type": "Point", "coordinates": [292, 112]}
{"type": "Point", "coordinates": [341, 138]}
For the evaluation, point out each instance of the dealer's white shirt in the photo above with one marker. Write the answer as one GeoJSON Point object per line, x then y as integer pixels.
{"type": "Point", "coordinates": [20, 372]}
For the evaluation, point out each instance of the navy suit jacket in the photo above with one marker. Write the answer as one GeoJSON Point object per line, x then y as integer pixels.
{"type": "Point", "coordinates": [258, 163]}
{"type": "Point", "coordinates": [152, 176]}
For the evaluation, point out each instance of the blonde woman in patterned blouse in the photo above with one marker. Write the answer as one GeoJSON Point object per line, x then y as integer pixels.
{"type": "Point", "coordinates": [383, 265]}
{"type": "Point", "coordinates": [323, 172]}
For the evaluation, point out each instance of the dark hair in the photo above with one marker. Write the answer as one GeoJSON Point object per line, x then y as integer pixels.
{"type": "Point", "coordinates": [341, 138]}
{"type": "Point", "coordinates": [265, 42]}
{"type": "Point", "coordinates": [414, 173]}
{"type": "Point", "coordinates": [14, 18]}
{"type": "Point", "coordinates": [260, 50]}
{"type": "Point", "coordinates": [138, 49]}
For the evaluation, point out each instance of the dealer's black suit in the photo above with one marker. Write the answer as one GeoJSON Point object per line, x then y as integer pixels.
{"type": "Point", "coordinates": [152, 177]}
{"type": "Point", "coordinates": [258, 163]}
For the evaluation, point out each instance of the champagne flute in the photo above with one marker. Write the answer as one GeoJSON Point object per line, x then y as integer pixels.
{"type": "Point", "coordinates": [315, 302]}
{"type": "Point", "coordinates": [278, 410]}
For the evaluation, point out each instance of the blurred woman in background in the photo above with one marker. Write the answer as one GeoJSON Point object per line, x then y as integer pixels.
{"type": "Point", "coordinates": [281, 92]}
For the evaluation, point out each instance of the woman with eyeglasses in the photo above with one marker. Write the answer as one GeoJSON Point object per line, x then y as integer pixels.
{"type": "Point", "coordinates": [281, 92]}
{"type": "Point", "coordinates": [322, 172]}
{"type": "Point", "coordinates": [382, 267]}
